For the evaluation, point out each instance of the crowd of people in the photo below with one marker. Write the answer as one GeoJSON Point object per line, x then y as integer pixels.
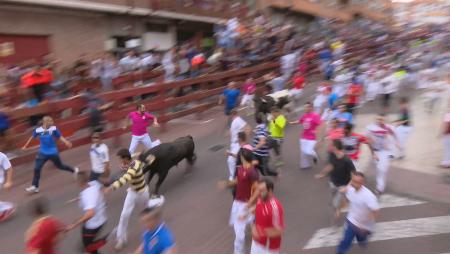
{"type": "Point", "coordinates": [397, 64]}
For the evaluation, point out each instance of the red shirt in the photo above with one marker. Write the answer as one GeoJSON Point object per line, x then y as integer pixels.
{"type": "Point", "coordinates": [354, 91]}
{"type": "Point", "coordinates": [33, 78]}
{"type": "Point", "coordinates": [245, 180]}
{"type": "Point", "coordinates": [352, 143]}
{"type": "Point", "coordinates": [42, 235]}
{"type": "Point", "coordinates": [269, 214]}
{"type": "Point", "coordinates": [334, 134]}
{"type": "Point", "coordinates": [299, 82]}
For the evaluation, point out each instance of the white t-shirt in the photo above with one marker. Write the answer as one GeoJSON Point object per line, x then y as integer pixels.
{"type": "Point", "coordinates": [237, 125]}
{"type": "Point", "coordinates": [92, 198]}
{"type": "Point", "coordinates": [4, 165]}
{"type": "Point", "coordinates": [380, 136]}
{"type": "Point", "coordinates": [99, 156]}
{"type": "Point", "coordinates": [361, 204]}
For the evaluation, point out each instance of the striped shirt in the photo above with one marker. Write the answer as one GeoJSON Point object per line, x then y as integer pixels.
{"type": "Point", "coordinates": [261, 132]}
{"type": "Point", "coordinates": [134, 176]}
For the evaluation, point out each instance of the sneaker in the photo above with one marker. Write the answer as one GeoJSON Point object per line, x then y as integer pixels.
{"type": "Point", "coordinates": [32, 189]}
{"type": "Point", "coordinates": [120, 245]}
{"type": "Point", "coordinates": [156, 201]}
{"type": "Point", "coordinates": [76, 170]}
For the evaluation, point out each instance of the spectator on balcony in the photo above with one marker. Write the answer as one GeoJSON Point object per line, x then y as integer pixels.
{"type": "Point", "coordinates": [148, 60]}
{"type": "Point", "coordinates": [168, 65]}
{"type": "Point", "coordinates": [37, 80]}
{"type": "Point", "coordinates": [183, 65]}
{"type": "Point", "coordinates": [81, 67]}
{"type": "Point", "coordinates": [110, 70]}
{"type": "Point", "coordinates": [130, 62]}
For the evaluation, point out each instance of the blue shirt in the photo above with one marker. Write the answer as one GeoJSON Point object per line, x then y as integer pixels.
{"type": "Point", "coordinates": [47, 138]}
{"type": "Point", "coordinates": [332, 98]}
{"type": "Point", "coordinates": [4, 121]}
{"type": "Point", "coordinates": [158, 241]}
{"type": "Point", "coordinates": [231, 97]}
{"type": "Point", "coordinates": [344, 118]}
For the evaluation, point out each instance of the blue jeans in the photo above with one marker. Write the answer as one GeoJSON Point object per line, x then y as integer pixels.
{"type": "Point", "coordinates": [350, 232]}
{"type": "Point", "coordinates": [41, 159]}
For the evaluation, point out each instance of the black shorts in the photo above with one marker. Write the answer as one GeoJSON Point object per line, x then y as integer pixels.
{"type": "Point", "coordinates": [91, 242]}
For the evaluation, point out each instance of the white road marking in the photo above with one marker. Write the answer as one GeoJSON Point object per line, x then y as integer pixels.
{"type": "Point", "coordinates": [329, 237]}
{"type": "Point", "coordinates": [389, 200]}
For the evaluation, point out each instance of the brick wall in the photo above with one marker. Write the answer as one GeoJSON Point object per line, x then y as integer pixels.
{"type": "Point", "coordinates": [70, 34]}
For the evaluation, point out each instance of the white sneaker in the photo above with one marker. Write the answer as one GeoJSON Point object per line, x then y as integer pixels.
{"type": "Point", "coordinates": [156, 201]}
{"type": "Point", "coordinates": [76, 170]}
{"type": "Point", "coordinates": [32, 189]}
{"type": "Point", "coordinates": [120, 245]}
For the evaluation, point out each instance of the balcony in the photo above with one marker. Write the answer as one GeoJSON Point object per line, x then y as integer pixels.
{"type": "Point", "coordinates": [208, 8]}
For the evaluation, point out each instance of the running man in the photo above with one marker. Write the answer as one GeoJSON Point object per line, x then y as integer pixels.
{"type": "Point", "coordinates": [99, 154]}
{"type": "Point", "coordinates": [354, 93]}
{"type": "Point", "coordinates": [157, 238]}
{"type": "Point", "coordinates": [140, 121]}
{"type": "Point", "coordinates": [237, 125]}
{"type": "Point", "coordinates": [362, 212]}
{"type": "Point", "coordinates": [380, 136]}
{"type": "Point", "coordinates": [230, 95]}
{"type": "Point", "coordinates": [403, 128]}
{"type": "Point", "coordinates": [276, 127]}
{"type": "Point", "coordinates": [92, 202]}
{"type": "Point", "coordinates": [340, 169]}
{"type": "Point", "coordinates": [268, 226]}
{"type": "Point", "coordinates": [136, 193]}
{"type": "Point", "coordinates": [45, 232]}
{"type": "Point", "coordinates": [48, 134]}
{"type": "Point", "coordinates": [246, 177]}
{"type": "Point", "coordinates": [352, 142]}
{"type": "Point", "coordinates": [310, 122]}
{"type": "Point", "coordinates": [7, 209]}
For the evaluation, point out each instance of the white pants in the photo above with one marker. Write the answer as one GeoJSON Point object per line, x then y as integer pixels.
{"type": "Point", "coordinates": [257, 248]}
{"type": "Point", "coordinates": [307, 152]}
{"type": "Point", "coordinates": [144, 139]}
{"type": "Point", "coordinates": [446, 161]}
{"type": "Point", "coordinates": [128, 206]}
{"type": "Point", "coordinates": [247, 100]}
{"type": "Point", "coordinates": [382, 166]}
{"type": "Point", "coordinates": [238, 209]}
{"type": "Point", "coordinates": [402, 132]}
{"type": "Point", "coordinates": [234, 149]}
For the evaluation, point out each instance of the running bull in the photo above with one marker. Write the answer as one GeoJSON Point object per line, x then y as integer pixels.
{"type": "Point", "coordinates": [166, 156]}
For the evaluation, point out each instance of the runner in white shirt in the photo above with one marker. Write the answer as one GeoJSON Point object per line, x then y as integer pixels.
{"type": "Point", "coordinates": [92, 202]}
{"type": "Point", "coordinates": [362, 212]}
{"type": "Point", "coordinates": [380, 136]}
{"type": "Point", "coordinates": [237, 125]}
{"type": "Point", "coordinates": [6, 208]}
{"type": "Point", "coordinates": [99, 154]}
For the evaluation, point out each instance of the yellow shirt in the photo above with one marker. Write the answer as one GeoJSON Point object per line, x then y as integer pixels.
{"type": "Point", "coordinates": [277, 126]}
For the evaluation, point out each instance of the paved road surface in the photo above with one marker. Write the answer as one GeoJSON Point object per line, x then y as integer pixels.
{"type": "Point", "coordinates": [198, 212]}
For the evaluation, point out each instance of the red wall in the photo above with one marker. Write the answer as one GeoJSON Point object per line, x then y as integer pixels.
{"type": "Point", "coordinates": [26, 47]}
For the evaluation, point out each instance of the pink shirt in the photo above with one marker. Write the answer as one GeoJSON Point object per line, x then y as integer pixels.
{"type": "Point", "coordinates": [249, 88]}
{"type": "Point", "coordinates": [140, 122]}
{"type": "Point", "coordinates": [310, 122]}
